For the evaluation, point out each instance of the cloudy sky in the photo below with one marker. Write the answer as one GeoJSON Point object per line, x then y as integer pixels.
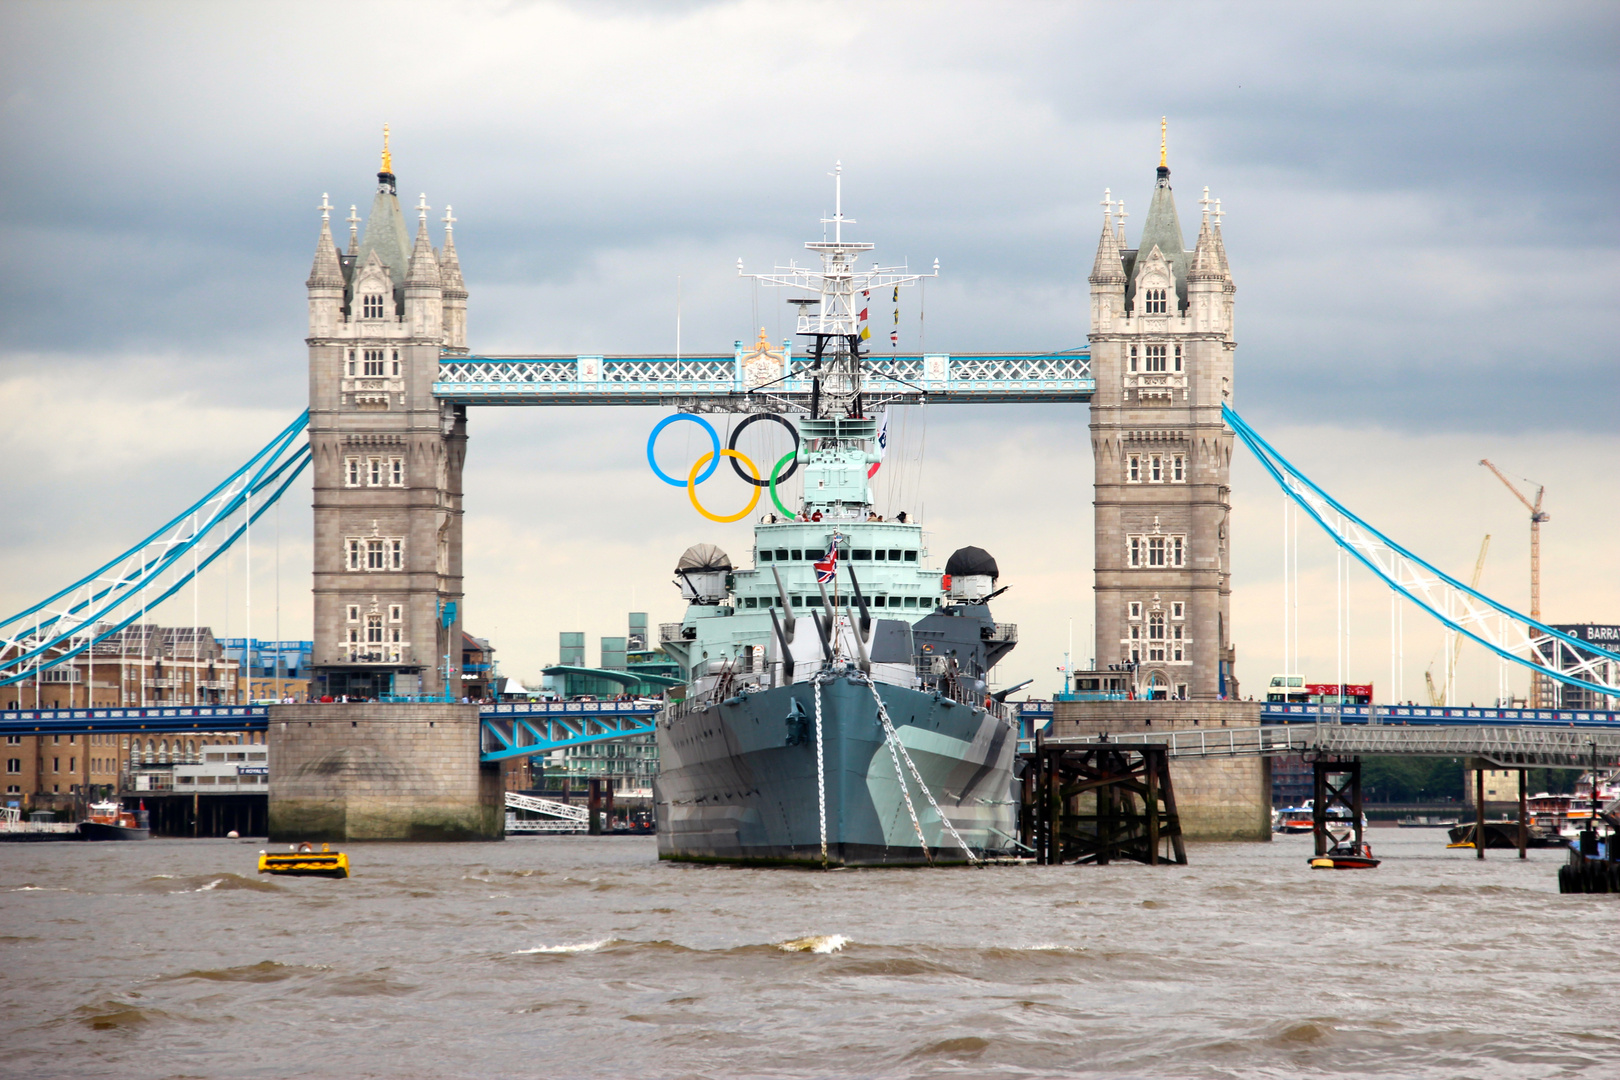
{"type": "Point", "coordinates": [1421, 217]}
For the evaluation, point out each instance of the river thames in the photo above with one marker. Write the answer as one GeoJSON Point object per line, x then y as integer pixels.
{"type": "Point", "coordinates": [573, 956]}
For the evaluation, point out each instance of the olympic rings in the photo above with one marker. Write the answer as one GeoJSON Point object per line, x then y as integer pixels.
{"type": "Point", "coordinates": [692, 482]}
{"type": "Point", "coordinates": [714, 438]}
{"type": "Point", "coordinates": [737, 434]}
{"type": "Point", "coordinates": [776, 469]}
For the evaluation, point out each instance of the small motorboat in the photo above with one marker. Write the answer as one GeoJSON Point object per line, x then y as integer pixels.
{"type": "Point", "coordinates": [304, 861]}
{"type": "Point", "coordinates": [110, 821]}
{"type": "Point", "coordinates": [1346, 855]}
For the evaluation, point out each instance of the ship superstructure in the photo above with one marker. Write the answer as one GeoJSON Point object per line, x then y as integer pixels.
{"type": "Point", "coordinates": [837, 708]}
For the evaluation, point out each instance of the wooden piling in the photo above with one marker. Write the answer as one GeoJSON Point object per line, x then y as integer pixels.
{"type": "Point", "coordinates": [1524, 816]}
{"type": "Point", "coordinates": [1479, 813]}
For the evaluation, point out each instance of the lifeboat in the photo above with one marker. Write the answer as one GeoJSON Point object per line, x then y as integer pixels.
{"type": "Point", "coordinates": [304, 861]}
{"type": "Point", "coordinates": [1346, 855]}
{"type": "Point", "coordinates": [110, 821]}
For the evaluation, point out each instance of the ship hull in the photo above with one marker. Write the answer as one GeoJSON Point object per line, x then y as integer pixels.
{"type": "Point", "coordinates": [737, 779]}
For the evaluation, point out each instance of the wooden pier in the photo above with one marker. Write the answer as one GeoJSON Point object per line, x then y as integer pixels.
{"type": "Point", "coordinates": [1099, 803]}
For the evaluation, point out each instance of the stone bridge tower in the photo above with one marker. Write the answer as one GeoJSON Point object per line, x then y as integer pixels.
{"type": "Point", "coordinates": [387, 456]}
{"type": "Point", "coordinates": [1161, 352]}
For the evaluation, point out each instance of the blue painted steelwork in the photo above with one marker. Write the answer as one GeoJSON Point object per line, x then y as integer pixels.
{"type": "Point", "coordinates": [519, 730]}
{"type": "Point", "coordinates": [153, 719]}
{"type": "Point", "coordinates": [1361, 540]}
{"type": "Point", "coordinates": [63, 635]}
{"type": "Point", "coordinates": [719, 383]}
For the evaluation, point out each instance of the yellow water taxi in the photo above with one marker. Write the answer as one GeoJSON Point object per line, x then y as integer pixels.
{"type": "Point", "coordinates": [304, 861]}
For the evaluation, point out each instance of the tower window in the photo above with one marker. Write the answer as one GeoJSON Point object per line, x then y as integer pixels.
{"type": "Point", "coordinates": [1177, 609]}
{"type": "Point", "coordinates": [396, 472]}
{"type": "Point", "coordinates": [1156, 468]}
{"type": "Point", "coordinates": [375, 472]}
{"type": "Point", "coordinates": [1177, 550]}
{"type": "Point", "coordinates": [396, 555]}
{"type": "Point", "coordinates": [350, 362]}
{"type": "Point", "coordinates": [352, 470]}
{"type": "Point", "coordinates": [1155, 551]}
{"type": "Point", "coordinates": [1136, 551]}
{"type": "Point", "coordinates": [396, 360]}
{"type": "Point", "coordinates": [1134, 469]}
{"type": "Point", "coordinates": [355, 557]}
{"type": "Point", "coordinates": [1156, 303]}
{"type": "Point", "coordinates": [374, 363]}
{"type": "Point", "coordinates": [371, 306]}
{"type": "Point", "coordinates": [1155, 358]}
{"type": "Point", "coordinates": [1178, 468]}
{"type": "Point", "coordinates": [374, 630]}
{"type": "Point", "coordinates": [1176, 643]}
{"type": "Point", "coordinates": [1133, 357]}
{"type": "Point", "coordinates": [396, 612]}
{"type": "Point", "coordinates": [354, 612]}
{"type": "Point", "coordinates": [374, 554]}
{"type": "Point", "coordinates": [1178, 356]}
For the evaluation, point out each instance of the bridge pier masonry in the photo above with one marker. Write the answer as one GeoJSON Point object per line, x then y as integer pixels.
{"type": "Point", "coordinates": [363, 771]}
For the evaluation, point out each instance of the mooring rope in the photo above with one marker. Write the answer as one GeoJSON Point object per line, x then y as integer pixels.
{"type": "Point", "coordinates": [896, 745]}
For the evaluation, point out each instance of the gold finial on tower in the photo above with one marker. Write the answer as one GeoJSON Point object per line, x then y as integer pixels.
{"type": "Point", "coordinates": [1163, 142]}
{"type": "Point", "coordinates": [388, 158]}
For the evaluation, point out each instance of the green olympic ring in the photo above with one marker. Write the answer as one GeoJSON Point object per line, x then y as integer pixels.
{"type": "Point", "coordinates": [789, 456]}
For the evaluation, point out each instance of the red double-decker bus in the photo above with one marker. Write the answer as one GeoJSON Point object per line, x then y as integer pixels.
{"type": "Point", "coordinates": [1294, 689]}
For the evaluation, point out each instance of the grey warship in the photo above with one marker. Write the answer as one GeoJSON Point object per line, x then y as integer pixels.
{"type": "Point", "coordinates": [836, 711]}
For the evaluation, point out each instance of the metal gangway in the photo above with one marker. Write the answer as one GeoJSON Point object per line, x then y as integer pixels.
{"type": "Point", "coordinates": [1499, 746]}
{"type": "Point", "coordinates": [555, 817]}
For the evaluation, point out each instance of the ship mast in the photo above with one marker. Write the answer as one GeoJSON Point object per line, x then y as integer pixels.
{"type": "Point", "coordinates": [834, 360]}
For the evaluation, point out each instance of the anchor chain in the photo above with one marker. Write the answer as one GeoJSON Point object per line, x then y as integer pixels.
{"type": "Point", "coordinates": [896, 744]}
{"type": "Point", "coordinates": [821, 776]}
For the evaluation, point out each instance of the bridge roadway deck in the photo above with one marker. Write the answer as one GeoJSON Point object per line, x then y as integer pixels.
{"type": "Point", "coordinates": [1278, 713]}
{"type": "Point", "coordinates": [719, 383]}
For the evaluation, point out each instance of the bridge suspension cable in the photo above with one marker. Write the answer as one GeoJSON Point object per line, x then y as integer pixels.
{"type": "Point", "coordinates": [108, 599]}
{"type": "Point", "coordinates": [1507, 633]}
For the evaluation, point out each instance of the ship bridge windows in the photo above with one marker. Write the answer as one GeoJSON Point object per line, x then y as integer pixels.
{"type": "Point", "coordinates": [764, 555]}
{"type": "Point", "coordinates": [862, 555]}
{"type": "Point", "coordinates": [796, 555]}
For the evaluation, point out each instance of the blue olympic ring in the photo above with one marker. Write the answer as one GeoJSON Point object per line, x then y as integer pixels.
{"type": "Point", "coordinates": [714, 437]}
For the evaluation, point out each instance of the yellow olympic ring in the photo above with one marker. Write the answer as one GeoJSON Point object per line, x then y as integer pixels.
{"type": "Point", "coordinates": [691, 487]}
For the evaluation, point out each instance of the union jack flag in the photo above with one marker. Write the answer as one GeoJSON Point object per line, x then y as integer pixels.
{"type": "Point", "coordinates": [827, 568]}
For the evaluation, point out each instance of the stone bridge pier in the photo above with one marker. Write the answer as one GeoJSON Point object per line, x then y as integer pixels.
{"type": "Point", "coordinates": [381, 772]}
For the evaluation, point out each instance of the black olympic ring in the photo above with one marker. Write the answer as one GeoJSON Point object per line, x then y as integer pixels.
{"type": "Point", "coordinates": [731, 444]}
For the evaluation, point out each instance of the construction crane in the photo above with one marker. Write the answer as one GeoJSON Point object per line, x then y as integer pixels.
{"type": "Point", "coordinates": [1540, 686]}
{"type": "Point", "coordinates": [1441, 697]}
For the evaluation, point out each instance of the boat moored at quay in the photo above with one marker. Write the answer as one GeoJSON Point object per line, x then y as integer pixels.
{"type": "Point", "coordinates": [836, 709]}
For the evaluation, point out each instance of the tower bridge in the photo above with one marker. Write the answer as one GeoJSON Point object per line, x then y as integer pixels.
{"type": "Point", "coordinates": [392, 378]}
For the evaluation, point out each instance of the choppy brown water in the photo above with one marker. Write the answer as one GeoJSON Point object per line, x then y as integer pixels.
{"type": "Point", "coordinates": [577, 957]}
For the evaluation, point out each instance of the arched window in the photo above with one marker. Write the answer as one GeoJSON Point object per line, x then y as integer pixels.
{"type": "Point", "coordinates": [1156, 302]}
{"type": "Point", "coordinates": [372, 306]}
{"type": "Point", "coordinates": [191, 750]}
{"type": "Point", "coordinates": [163, 750]}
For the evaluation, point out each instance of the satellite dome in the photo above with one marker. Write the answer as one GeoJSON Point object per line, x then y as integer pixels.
{"type": "Point", "coordinates": [968, 561]}
{"type": "Point", "coordinates": [701, 558]}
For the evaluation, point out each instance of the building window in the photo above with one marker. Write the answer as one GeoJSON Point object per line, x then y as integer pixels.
{"type": "Point", "coordinates": [1133, 358]}
{"type": "Point", "coordinates": [1176, 642]}
{"type": "Point", "coordinates": [1134, 469]}
{"type": "Point", "coordinates": [1156, 636]}
{"type": "Point", "coordinates": [1177, 550]}
{"type": "Point", "coordinates": [1156, 551]}
{"type": "Point", "coordinates": [375, 550]}
{"type": "Point", "coordinates": [1181, 691]}
{"type": "Point", "coordinates": [1178, 468]}
{"type": "Point", "coordinates": [396, 472]}
{"type": "Point", "coordinates": [374, 363]}
{"type": "Point", "coordinates": [371, 307]}
{"type": "Point", "coordinates": [1156, 468]}
{"type": "Point", "coordinates": [354, 612]}
{"type": "Point", "coordinates": [1136, 609]}
{"type": "Point", "coordinates": [13, 740]}
{"type": "Point", "coordinates": [349, 364]}
{"type": "Point", "coordinates": [1136, 551]}
{"type": "Point", "coordinates": [396, 612]}
{"type": "Point", "coordinates": [374, 472]}
{"type": "Point", "coordinates": [396, 555]}
{"type": "Point", "coordinates": [13, 765]}
{"type": "Point", "coordinates": [352, 473]}
{"type": "Point", "coordinates": [1155, 358]}
{"type": "Point", "coordinates": [1178, 356]}
{"type": "Point", "coordinates": [1156, 303]}
{"type": "Point", "coordinates": [1136, 645]}
{"type": "Point", "coordinates": [374, 630]}
{"type": "Point", "coordinates": [1177, 609]}
{"type": "Point", "coordinates": [355, 562]}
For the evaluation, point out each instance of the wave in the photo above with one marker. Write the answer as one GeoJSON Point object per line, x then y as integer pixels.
{"type": "Point", "coordinates": [821, 943]}
{"type": "Point", "coordinates": [579, 947]}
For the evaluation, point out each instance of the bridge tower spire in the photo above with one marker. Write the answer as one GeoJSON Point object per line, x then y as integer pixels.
{"type": "Point", "coordinates": [1161, 352]}
{"type": "Point", "coordinates": [387, 456]}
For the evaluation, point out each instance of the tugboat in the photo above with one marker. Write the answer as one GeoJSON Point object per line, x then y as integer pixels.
{"type": "Point", "coordinates": [110, 821]}
{"type": "Point", "coordinates": [1346, 854]}
{"type": "Point", "coordinates": [836, 711]}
